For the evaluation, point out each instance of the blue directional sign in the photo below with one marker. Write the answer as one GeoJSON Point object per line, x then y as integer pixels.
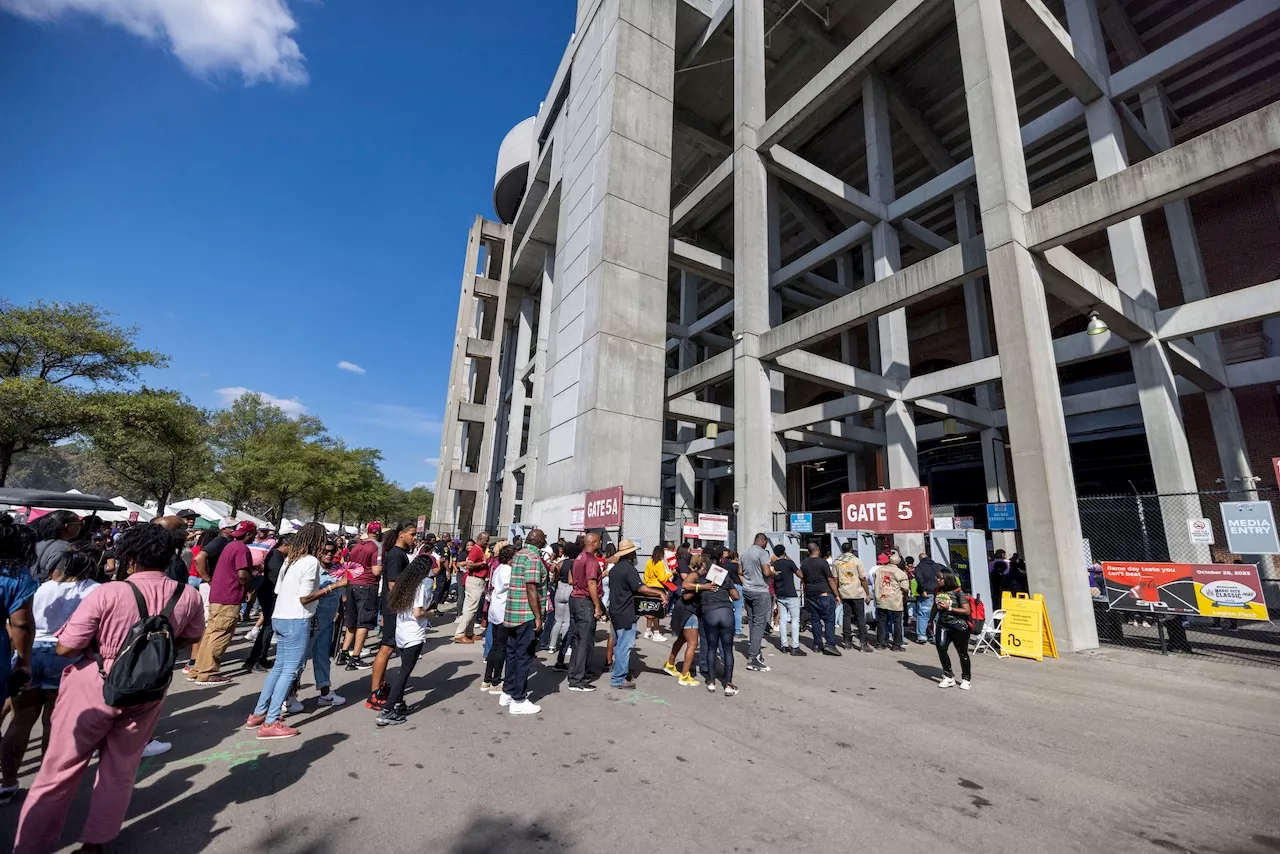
{"type": "Point", "coordinates": [802, 523]}
{"type": "Point", "coordinates": [1002, 517]}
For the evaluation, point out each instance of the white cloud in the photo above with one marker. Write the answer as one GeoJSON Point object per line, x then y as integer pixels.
{"type": "Point", "coordinates": [251, 37]}
{"type": "Point", "coordinates": [352, 367]}
{"type": "Point", "coordinates": [432, 461]}
{"type": "Point", "coordinates": [405, 419]}
{"type": "Point", "coordinates": [424, 484]}
{"type": "Point", "coordinates": [290, 406]}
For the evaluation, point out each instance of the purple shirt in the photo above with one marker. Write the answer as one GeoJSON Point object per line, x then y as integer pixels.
{"type": "Point", "coordinates": [225, 588]}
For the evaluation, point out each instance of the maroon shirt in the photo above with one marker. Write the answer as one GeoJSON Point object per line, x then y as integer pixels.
{"type": "Point", "coordinates": [585, 568]}
{"type": "Point", "coordinates": [225, 587]}
{"type": "Point", "coordinates": [476, 555]}
{"type": "Point", "coordinates": [364, 553]}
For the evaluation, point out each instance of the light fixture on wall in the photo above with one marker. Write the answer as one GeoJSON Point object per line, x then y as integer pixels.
{"type": "Point", "coordinates": [1097, 325]}
{"type": "Point", "coordinates": [950, 430]}
{"type": "Point", "coordinates": [713, 430]}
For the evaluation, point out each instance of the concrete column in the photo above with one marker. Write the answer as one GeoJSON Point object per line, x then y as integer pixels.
{"type": "Point", "coordinates": [445, 509]}
{"type": "Point", "coordinates": [515, 417]}
{"type": "Point", "coordinates": [901, 461]}
{"type": "Point", "coordinates": [754, 463]}
{"type": "Point", "coordinates": [607, 378]}
{"type": "Point", "coordinates": [1041, 457]}
{"type": "Point", "coordinates": [856, 479]}
{"type": "Point", "coordinates": [1157, 391]}
{"type": "Point", "coordinates": [498, 265]}
{"type": "Point", "coordinates": [537, 401]}
{"type": "Point", "coordinates": [686, 472]}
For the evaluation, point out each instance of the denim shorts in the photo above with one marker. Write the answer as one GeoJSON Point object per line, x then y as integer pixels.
{"type": "Point", "coordinates": [691, 623]}
{"type": "Point", "coordinates": [47, 665]}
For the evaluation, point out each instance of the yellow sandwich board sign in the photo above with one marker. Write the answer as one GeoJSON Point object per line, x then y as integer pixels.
{"type": "Point", "coordinates": [1026, 631]}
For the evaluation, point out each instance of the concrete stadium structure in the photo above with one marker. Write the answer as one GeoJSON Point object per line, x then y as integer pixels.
{"type": "Point", "coordinates": [744, 236]}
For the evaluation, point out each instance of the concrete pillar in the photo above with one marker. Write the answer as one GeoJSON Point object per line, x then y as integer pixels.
{"type": "Point", "coordinates": [901, 461]}
{"type": "Point", "coordinates": [1041, 457]}
{"type": "Point", "coordinates": [515, 416]}
{"type": "Point", "coordinates": [686, 471]}
{"type": "Point", "coordinates": [538, 401]}
{"type": "Point", "coordinates": [856, 479]}
{"type": "Point", "coordinates": [497, 258]}
{"type": "Point", "coordinates": [1157, 391]}
{"type": "Point", "coordinates": [754, 462]}
{"type": "Point", "coordinates": [606, 370]}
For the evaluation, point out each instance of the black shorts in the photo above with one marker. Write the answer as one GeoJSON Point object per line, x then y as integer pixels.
{"type": "Point", "coordinates": [362, 607]}
{"type": "Point", "coordinates": [388, 630]}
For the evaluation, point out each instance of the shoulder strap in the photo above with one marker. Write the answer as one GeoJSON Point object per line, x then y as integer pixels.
{"type": "Point", "coordinates": [167, 613]}
{"type": "Point", "coordinates": [137, 597]}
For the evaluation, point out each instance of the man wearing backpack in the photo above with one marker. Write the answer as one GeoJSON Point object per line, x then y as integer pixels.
{"type": "Point", "coordinates": [115, 713]}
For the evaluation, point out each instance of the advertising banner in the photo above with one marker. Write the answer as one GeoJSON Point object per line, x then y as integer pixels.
{"type": "Point", "coordinates": [1209, 590]}
{"type": "Point", "coordinates": [712, 526]}
{"type": "Point", "coordinates": [604, 508]}
{"type": "Point", "coordinates": [886, 511]}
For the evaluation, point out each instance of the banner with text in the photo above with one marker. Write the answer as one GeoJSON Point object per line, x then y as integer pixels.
{"type": "Point", "coordinates": [713, 526]}
{"type": "Point", "coordinates": [1210, 590]}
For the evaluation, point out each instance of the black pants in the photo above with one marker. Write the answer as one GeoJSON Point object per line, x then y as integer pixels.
{"type": "Point", "coordinates": [888, 634]}
{"type": "Point", "coordinates": [584, 639]}
{"type": "Point", "coordinates": [408, 660]}
{"type": "Point", "coordinates": [718, 623]}
{"type": "Point", "coordinates": [519, 642]}
{"type": "Point", "coordinates": [855, 609]}
{"type": "Point", "coordinates": [493, 665]}
{"type": "Point", "coordinates": [262, 644]}
{"type": "Point", "coordinates": [948, 635]}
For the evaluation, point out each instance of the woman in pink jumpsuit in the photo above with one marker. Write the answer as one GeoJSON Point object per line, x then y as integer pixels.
{"type": "Point", "coordinates": [82, 722]}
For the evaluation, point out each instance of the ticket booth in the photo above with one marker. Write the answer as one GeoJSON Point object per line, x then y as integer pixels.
{"type": "Point", "coordinates": [864, 546]}
{"type": "Point", "coordinates": [964, 552]}
{"type": "Point", "coordinates": [789, 541]}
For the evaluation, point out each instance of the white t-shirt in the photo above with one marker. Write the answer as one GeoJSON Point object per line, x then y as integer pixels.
{"type": "Point", "coordinates": [55, 602]}
{"type": "Point", "coordinates": [411, 631]}
{"type": "Point", "coordinates": [498, 599]}
{"type": "Point", "coordinates": [297, 579]}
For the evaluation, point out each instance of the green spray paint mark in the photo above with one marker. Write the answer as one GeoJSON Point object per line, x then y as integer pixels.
{"type": "Point", "coordinates": [242, 753]}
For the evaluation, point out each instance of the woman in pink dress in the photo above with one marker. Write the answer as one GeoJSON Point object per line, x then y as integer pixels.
{"type": "Point", "coordinates": [82, 722]}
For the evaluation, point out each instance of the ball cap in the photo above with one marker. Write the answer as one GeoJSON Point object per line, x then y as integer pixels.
{"type": "Point", "coordinates": [882, 559]}
{"type": "Point", "coordinates": [374, 528]}
{"type": "Point", "coordinates": [245, 527]}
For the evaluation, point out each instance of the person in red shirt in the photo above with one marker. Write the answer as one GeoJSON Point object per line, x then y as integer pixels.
{"type": "Point", "coordinates": [477, 567]}
{"type": "Point", "coordinates": [226, 593]}
{"type": "Point", "coordinates": [362, 599]}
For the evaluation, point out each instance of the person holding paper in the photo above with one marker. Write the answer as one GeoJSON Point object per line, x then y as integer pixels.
{"type": "Point", "coordinates": [714, 594]}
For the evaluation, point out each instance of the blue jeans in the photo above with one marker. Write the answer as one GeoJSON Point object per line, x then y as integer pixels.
{"type": "Point", "coordinates": [623, 641]}
{"type": "Point", "coordinates": [718, 625]}
{"type": "Point", "coordinates": [924, 605]}
{"type": "Point", "coordinates": [322, 641]}
{"type": "Point", "coordinates": [291, 646]}
{"type": "Point", "coordinates": [822, 612]}
{"type": "Point", "coordinates": [515, 683]}
{"type": "Point", "coordinates": [488, 640]}
{"type": "Point", "coordinates": [789, 615]}
{"type": "Point", "coordinates": [737, 611]}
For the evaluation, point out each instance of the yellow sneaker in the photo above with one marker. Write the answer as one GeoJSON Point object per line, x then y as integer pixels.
{"type": "Point", "coordinates": [670, 669]}
{"type": "Point", "coordinates": [687, 680]}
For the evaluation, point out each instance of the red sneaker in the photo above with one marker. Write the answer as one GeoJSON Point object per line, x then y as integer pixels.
{"type": "Point", "coordinates": [254, 721]}
{"type": "Point", "coordinates": [279, 729]}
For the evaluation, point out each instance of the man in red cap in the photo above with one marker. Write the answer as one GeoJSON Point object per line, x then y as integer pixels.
{"type": "Point", "coordinates": [230, 580]}
{"type": "Point", "coordinates": [361, 614]}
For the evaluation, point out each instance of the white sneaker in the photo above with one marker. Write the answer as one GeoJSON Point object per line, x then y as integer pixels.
{"type": "Point", "coordinates": [252, 634]}
{"type": "Point", "coordinates": [947, 682]}
{"type": "Point", "coordinates": [291, 706]}
{"type": "Point", "coordinates": [964, 684]}
{"type": "Point", "coordinates": [155, 747]}
{"type": "Point", "coordinates": [648, 634]}
{"type": "Point", "coordinates": [524, 707]}
{"type": "Point", "coordinates": [332, 699]}
{"type": "Point", "coordinates": [504, 699]}
{"type": "Point", "coordinates": [658, 637]}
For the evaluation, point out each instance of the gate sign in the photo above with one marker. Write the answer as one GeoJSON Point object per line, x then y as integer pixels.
{"type": "Point", "coordinates": [713, 526]}
{"type": "Point", "coordinates": [802, 523]}
{"type": "Point", "coordinates": [1251, 527]}
{"type": "Point", "coordinates": [1002, 517]}
{"type": "Point", "coordinates": [1211, 590]}
{"type": "Point", "coordinates": [604, 508]}
{"type": "Point", "coordinates": [886, 511]}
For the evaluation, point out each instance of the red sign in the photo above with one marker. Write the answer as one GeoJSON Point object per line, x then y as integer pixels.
{"type": "Point", "coordinates": [1210, 590]}
{"type": "Point", "coordinates": [604, 508]}
{"type": "Point", "coordinates": [1275, 467]}
{"type": "Point", "coordinates": [886, 511]}
{"type": "Point", "coordinates": [133, 515]}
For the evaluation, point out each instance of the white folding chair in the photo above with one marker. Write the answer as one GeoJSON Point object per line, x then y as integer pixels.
{"type": "Point", "coordinates": [990, 636]}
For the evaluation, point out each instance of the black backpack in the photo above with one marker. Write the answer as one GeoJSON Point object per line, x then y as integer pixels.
{"type": "Point", "coordinates": [144, 666]}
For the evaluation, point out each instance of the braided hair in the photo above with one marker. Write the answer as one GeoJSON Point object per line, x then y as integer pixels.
{"type": "Point", "coordinates": [151, 547]}
{"type": "Point", "coordinates": [307, 541]}
{"type": "Point", "coordinates": [17, 546]}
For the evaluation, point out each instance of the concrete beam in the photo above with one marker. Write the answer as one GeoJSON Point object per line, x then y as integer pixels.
{"type": "Point", "coordinates": [1081, 347]}
{"type": "Point", "coordinates": [948, 407]}
{"type": "Point", "coordinates": [698, 133]}
{"type": "Point", "coordinates": [1049, 40]}
{"type": "Point", "coordinates": [717, 369]}
{"type": "Point", "coordinates": [1221, 155]}
{"type": "Point", "coordinates": [923, 237]}
{"type": "Point", "coordinates": [824, 440]}
{"type": "Point", "coordinates": [956, 378]}
{"type": "Point", "coordinates": [1071, 280]}
{"type": "Point", "coordinates": [1254, 373]}
{"type": "Point", "coordinates": [1190, 47]}
{"type": "Point", "coordinates": [1190, 361]}
{"type": "Point", "coordinates": [719, 17]}
{"type": "Point", "coordinates": [913, 122]}
{"type": "Point", "coordinates": [819, 255]}
{"type": "Point", "coordinates": [828, 372]}
{"type": "Point", "coordinates": [698, 411]}
{"type": "Point", "coordinates": [892, 24]}
{"type": "Point", "coordinates": [478, 348]}
{"type": "Point", "coordinates": [707, 198]}
{"type": "Point", "coordinates": [1218, 312]}
{"type": "Point", "coordinates": [820, 412]}
{"type": "Point", "coordinates": [695, 259]}
{"type": "Point", "coordinates": [475, 413]}
{"type": "Point", "coordinates": [899, 290]}
{"type": "Point", "coordinates": [824, 185]}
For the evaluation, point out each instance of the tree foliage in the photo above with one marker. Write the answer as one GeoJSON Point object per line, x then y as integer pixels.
{"type": "Point", "coordinates": [54, 358]}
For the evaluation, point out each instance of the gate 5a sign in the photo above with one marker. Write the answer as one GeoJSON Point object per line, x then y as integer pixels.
{"type": "Point", "coordinates": [886, 511]}
{"type": "Point", "coordinates": [604, 508]}
{"type": "Point", "coordinates": [1251, 527]}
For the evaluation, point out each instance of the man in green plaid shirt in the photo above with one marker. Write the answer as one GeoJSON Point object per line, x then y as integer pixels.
{"type": "Point", "coordinates": [523, 619]}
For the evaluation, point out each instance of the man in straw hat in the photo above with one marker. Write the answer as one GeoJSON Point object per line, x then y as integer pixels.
{"type": "Point", "coordinates": [624, 587]}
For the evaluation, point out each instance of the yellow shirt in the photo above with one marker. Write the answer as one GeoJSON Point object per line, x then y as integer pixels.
{"type": "Point", "coordinates": [656, 572]}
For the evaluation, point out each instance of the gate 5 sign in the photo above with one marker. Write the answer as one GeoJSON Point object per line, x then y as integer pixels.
{"type": "Point", "coordinates": [1210, 590]}
{"type": "Point", "coordinates": [886, 511]}
{"type": "Point", "coordinates": [604, 508]}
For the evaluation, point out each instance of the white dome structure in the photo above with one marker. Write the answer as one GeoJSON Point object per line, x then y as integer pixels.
{"type": "Point", "coordinates": [514, 156]}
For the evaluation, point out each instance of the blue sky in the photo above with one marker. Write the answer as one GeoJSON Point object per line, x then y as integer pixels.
{"type": "Point", "coordinates": [268, 197]}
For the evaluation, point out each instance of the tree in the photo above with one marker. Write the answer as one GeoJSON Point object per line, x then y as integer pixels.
{"type": "Point", "coordinates": [288, 455]}
{"type": "Point", "coordinates": [53, 358]}
{"type": "Point", "coordinates": [155, 441]}
{"type": "Point", "coordinates": [237, 446]}
{"type": "Point", "coordinates": [338, 472]}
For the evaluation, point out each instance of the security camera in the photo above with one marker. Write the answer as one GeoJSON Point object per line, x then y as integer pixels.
{"type": "Point", "coordinates": [736, 507]}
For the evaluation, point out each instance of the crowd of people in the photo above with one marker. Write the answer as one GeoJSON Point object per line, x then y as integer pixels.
{"type": "Point", "coordinates": [82, 610]}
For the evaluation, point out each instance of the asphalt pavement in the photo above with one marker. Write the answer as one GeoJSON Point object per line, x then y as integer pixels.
{"type": "Point", "coordinates": [1115, 751]}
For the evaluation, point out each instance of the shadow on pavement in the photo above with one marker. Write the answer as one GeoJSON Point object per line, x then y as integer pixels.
{"type": "Point", "coordinates": [932, 672]}
{"type": "Point", "coordinates": [485, 834]}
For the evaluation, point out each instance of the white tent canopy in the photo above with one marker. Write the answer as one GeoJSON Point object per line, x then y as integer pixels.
{"type": "Point", "coordinates": [216, 511]}
{"type": "Point", "coordinates": [144, 515]}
